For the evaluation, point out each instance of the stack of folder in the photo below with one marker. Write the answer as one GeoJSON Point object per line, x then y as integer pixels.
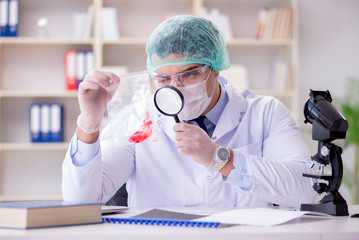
{"type": "Point", "coordinates": [77, 65]}
{"type": "Point", "coordinates": [9, 18]}
{"type": "Point", "coordinates": [46, 122]}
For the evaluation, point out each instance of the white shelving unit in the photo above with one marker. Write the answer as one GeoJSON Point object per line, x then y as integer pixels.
{"type": "Point", "coordinates": [32, 70]}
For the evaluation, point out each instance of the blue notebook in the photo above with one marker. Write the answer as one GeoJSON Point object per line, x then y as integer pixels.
{"type": "Point", "coordinates": [159, 217]}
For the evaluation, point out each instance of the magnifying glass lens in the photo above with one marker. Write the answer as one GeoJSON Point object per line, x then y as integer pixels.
{"type": "Point", "coordinates": [169, 101]}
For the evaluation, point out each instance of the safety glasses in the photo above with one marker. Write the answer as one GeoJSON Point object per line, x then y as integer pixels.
{"type": "Point", "coordinates": [185, 78]}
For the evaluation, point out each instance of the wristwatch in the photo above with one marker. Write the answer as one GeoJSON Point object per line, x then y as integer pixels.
{"type": "Point", "coordinates": [221, 157]}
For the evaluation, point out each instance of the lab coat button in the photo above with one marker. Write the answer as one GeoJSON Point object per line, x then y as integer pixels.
{"type": "Point", "coordinates": [214, 138]}
{"type": "Point", "coordinates": [209, 177]}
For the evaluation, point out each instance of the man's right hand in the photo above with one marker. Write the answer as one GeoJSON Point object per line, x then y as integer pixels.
{"type": "Point", "coordinates": [94, 92]}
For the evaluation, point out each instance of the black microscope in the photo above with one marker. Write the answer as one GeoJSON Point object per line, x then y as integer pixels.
{"type": "Point", "coordinates": [328, 124]}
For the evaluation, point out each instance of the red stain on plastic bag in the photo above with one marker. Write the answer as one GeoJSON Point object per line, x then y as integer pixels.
{"type": "Point", "coordinates": [144, 131]}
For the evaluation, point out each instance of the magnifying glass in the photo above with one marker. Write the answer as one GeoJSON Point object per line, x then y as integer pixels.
{"type": "Point", "coordinates": [169, 101]}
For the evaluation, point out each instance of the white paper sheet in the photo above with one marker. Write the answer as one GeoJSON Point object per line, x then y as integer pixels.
{"type": "Point", "coordinates": [255, 216]}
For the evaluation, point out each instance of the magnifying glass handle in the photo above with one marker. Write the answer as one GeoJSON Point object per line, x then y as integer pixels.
{"type": "Point", "coordinates": [176, 118]}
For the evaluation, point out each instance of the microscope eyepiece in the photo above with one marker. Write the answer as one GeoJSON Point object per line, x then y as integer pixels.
{"type": "Point", "coordinates": [328, 123]}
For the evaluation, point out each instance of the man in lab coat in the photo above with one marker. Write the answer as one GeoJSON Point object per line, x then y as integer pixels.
{"type": "Point", "coordinates": [245, 150]}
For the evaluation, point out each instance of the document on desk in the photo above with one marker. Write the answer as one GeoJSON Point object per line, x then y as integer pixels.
{"type": "Point", "coordinates": [256, 216]}
{"type": "Point", "coordinates": [160, 217]}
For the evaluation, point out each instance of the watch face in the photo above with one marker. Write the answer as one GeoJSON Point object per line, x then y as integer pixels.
{"type": "Point", "coordinates": [223, 154]}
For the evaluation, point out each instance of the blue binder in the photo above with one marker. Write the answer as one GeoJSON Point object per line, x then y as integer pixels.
{"type": "Point", "coordinates": [13, 21]}
{"type": "Point", "coordinates": [46, 122]}
{"type": "Point", "coordinates": [35, 123]}
{"type": "Point", "coordinates": [81, 66]}
{"type": "Point", "coordinates": [56, 123]}
{"type": "Point", "coordinates": [85, 64]}
{"type": "Point", "coordinates": [4, 17]}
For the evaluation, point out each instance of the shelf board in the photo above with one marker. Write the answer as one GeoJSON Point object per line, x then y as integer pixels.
{"type": "Point", "coordinates": [22, 146]}
{"type": "Point", "coordinates": [43, 41]}
{"type": "Point", "coordinates": [27, 93]}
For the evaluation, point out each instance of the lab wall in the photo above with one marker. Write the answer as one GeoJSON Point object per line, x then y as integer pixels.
{"type": "Point", "coordinates": [328, 54]}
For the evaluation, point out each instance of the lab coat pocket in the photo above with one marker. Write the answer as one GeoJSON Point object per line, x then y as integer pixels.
{"type": "Point", "coordinates": [253, 149]}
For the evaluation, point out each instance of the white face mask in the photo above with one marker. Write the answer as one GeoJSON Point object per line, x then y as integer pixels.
{"type": "Point", "coordinates": [196, 99]}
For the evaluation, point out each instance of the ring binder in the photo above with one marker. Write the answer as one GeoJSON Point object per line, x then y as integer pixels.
{"type": "Point", "coordinates": [161, 222]}
{"type": "Point", "coordinates": [159, 217]}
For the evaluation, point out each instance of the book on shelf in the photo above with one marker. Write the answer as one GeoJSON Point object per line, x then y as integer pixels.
{"type": "Point", "coordinates": [87, 29]}
{"type": "Point", "coordinates": [78, 23]}
{"type": "Point", "coordinates": [109, 24]}
{"type": "Point", "coordinates": [269, 23]}
{"type": "Point", "coordinates": [262, 16]}
{"type": "Point", "coordinates": [82, 24]}
{"type": "Point", "coordinates": [274, 23]}
{"type": "Point", "coordinates": [77, 65]}
{"type": "Point", "coordinates": [41, 213]}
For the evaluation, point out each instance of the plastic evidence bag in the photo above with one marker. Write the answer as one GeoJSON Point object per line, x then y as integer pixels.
{"type": "Point", "coordinates": [131, 110]}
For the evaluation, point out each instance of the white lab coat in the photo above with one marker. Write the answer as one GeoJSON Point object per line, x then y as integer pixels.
{"type": "Point", "coordinates": [258, 128]}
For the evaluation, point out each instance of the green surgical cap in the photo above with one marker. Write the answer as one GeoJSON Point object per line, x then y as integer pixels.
{"type": "Point", "coordinates": [186, 39]}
